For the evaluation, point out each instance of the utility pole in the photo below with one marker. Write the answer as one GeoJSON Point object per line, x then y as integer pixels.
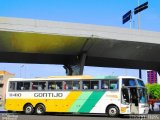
{"type": "Point", "coordinates": [139, 16]}
{"type": "Point", "coordinates": [140, 71]}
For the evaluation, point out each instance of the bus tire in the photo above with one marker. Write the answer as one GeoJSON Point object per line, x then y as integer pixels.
{"type": "Point", "coordinates": [112, 111]}
{"type": "Point", "coordinates": [28, 109]}
{"type": "Point", "coordinates": [40, 109]}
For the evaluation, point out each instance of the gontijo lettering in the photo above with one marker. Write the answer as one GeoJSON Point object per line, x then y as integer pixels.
{"type": "Point", "coordinates": [48, 94]}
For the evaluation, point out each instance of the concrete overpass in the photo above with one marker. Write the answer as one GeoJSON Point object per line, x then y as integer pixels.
{"type": "Point", "coordinates": [49, 42]}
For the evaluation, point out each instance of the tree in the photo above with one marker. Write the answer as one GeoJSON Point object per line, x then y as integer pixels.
{"type": "Point", "coordinates": [148, 88]}
{"type": "Point", "coordinates": [154, 90]}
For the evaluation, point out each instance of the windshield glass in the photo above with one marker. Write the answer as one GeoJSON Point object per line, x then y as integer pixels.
{"type": "Point", "coordinates": [140, 83]}
{"type": "Point", "coordinates": [128, 82]}
{"type": "Point", "coordinates": [142, 95]}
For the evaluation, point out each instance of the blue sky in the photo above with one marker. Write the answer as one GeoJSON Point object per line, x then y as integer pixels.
{"type": "Point", "coordinates": [99, 12]}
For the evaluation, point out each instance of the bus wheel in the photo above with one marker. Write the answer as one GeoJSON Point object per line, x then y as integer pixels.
{"type": "Point", "coordinates": [112, 111]}
{"type": "Point", "coordinates": [28, 109]}
{"type": "Point", "coordinates": [40, 109]}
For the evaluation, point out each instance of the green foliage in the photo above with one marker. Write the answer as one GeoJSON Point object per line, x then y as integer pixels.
{"type": "Point", "coordinates": [148, 87]}
{"type": "Point", "coordinates": [154, 90]}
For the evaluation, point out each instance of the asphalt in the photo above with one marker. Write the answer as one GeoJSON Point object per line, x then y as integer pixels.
{"type": "Point", "coordinates": [51, 116]}
{"type": "Point", "coordinates": [59, 116]}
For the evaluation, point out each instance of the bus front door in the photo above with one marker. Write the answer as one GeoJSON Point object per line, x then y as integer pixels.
{"type": "Point", "coordinates": [125, 101]}
{"type": "Point", "coordinates": [134, 100]}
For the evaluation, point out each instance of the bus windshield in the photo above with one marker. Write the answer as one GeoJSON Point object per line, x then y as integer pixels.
{"type": "Point", "coordinates": [142, 95]}
{"type": "Point", "coordinates": [129, 82]}
{"type": "Point", "coordinates": [132, 82]}
{"type": "Point", "coordinates": [140, 83]}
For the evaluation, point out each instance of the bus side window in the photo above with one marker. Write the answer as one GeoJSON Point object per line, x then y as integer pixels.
{"type": "Point", "coordinates": [20, 86]}
{"type": "Point", "coordinates": [41, 85]}
{"type": "Point", "coordinates": [86, 85]}
{"type": "Point", "coordinates": [105, 84]}
{"type": "Point", "coordinates": [58, 85]}
{"type": "Point", "coordinates": [23, 86]}
{"type": "Point", "coordinates": [52, 85]}
{"type": "Point", "coordinates": [34, 85]}
{"type": "Point", "coordinates": [26, 85]}
{"type": "Point", "coordinates": [76, 85]}
{"type": "Point", "coordinates": [113, 84]}
{"type": "Point", "coordinates": [68, 85]}
{"type": "Point", "coordinates": [12, 86]}
{"type": "Point", "coordinates": [38, 85]}
{"type": "Point", "coordinates": [94, 84]}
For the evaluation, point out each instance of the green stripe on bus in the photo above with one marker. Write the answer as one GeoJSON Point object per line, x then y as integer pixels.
{"type": "Point", "coordinates": [91, 101]}
{"type": "Point", "coordinates": [80, 101]}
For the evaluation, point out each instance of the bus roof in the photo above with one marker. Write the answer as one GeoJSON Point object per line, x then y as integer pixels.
{"type": "Point", "coordinates": [70, 78]}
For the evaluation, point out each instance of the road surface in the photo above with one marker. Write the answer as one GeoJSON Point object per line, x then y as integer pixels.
{"type": "Point", "coordinates": [49, 116]}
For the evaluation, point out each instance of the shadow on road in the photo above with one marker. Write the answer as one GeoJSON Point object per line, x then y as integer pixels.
{"type": "Point", "coordinates": [76, 114]}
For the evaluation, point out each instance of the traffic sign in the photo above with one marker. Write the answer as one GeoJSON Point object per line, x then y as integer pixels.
{"type": "Point", "coordinates": [141, 7]}
{"type": "Point", "coordinates": [127, 17]}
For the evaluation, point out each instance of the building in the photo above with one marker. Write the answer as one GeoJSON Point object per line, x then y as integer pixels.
{"type": "Point", "coordinates": [4, 75]}
{"type": "Point", "coordinates": [152, 76]}
{"type": "Point", "coordinates": [158, 79]}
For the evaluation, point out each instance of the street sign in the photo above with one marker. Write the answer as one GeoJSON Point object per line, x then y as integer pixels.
{"type": "Point", "coordinates": [141, 7]}
{"type": "Point", "coordinates": [127, 17]}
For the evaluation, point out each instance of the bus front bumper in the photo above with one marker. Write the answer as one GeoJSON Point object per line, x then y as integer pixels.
{"type": "Point", "coordinates": [144, 109]}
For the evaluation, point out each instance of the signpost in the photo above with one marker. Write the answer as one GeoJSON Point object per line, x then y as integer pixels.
{"type": "Point", "coordinates": [141, 8]}
{"type": "Point", "coordinates": [127, 17]}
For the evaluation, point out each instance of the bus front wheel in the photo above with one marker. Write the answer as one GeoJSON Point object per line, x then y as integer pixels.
{"type": "Point", "coordinates": [28, 109]}
{"type": "Point", "coordinates": [40, 109]}
{"type": "Point", "coordinates": [112, 111]}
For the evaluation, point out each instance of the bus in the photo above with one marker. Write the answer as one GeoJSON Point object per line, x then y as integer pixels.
{"type": "Point", "coordinates": [110, 95]}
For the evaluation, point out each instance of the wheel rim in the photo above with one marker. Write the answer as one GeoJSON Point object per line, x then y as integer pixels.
{"type": "Point", "coordinates": [28, 109]}
{"type": "Point", "coordinates": [112, 111]}
{"type": "Point", "coordinates": [39, 110]}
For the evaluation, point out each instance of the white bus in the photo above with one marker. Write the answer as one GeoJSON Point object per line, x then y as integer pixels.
{"type": "Point", "coordinates": [110, 95]}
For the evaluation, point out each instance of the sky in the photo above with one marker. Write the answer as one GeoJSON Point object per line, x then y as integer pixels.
{"type": "Point", "coordinates": [98, 12]}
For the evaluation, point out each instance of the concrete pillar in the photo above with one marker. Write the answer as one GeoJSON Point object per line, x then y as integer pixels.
{"type": "Point", "coordinates": [82, 62]}
{"type": "Point", "coordinates": [77, 67]}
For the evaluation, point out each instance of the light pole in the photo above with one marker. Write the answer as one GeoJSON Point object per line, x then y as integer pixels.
{"type": "Point", "coordinates": [21, 70]}
{"type": "Point", "coordinates": [139, 16]}
{"type": "Point", "coordinates": [140, 71]}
